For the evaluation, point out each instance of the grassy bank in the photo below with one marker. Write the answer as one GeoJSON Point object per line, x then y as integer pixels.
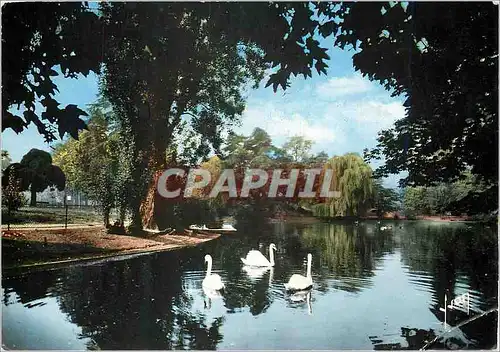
{"type": "Point", "coordinates": [36, 247]}
{"type": "Point", "coordinates": [47, 215]}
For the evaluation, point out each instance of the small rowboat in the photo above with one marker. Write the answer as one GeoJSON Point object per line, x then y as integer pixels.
{"type": "Point", "coordinates": [225, 228]}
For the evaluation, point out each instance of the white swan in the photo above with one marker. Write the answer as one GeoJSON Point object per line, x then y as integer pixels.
{"type": "Point", "coordinates": [299, 282]}
{"type": "Point", "coordinates": [212, 281]}
{"type": "Point", "coordinates": [256, 258]}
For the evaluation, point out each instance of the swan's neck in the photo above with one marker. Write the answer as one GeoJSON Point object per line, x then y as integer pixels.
{"type": "Point", "coordinates": [308, 275]}
{"type": "Point", "coordinates": [209, 268]}
{"type": "Point", "coordinates": [271, 255]}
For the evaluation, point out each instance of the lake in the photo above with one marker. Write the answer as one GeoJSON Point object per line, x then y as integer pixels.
{"type": "Point", "coordinates": [373, 289]}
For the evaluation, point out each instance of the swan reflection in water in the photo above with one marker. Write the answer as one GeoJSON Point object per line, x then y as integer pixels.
{"type": "Point", "coordinates": [302, 296]}
{"type": "Point", "coordinates": [210, 294]}
{"type": "Point", "coordinates": [255, 272]}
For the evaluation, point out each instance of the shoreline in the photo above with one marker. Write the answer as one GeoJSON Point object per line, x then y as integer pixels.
{"type": "Point", "coordinates": [311, 219]}
{"type": "Point", "coordinates": [43, 248]}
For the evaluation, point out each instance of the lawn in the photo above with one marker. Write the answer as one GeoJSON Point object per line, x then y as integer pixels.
{"type": "Point", "coordinates": [47, 215]}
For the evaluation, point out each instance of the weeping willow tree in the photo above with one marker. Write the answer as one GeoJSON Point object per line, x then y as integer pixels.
{"type": "Point", "coordinates": [352, 177]}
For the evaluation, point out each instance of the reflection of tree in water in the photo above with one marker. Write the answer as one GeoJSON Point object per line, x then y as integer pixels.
{"type": "Point", "coordinates": [193, 334]}
{"type": "Point", "coordinates": [27, 289]}
{"type": "Point", "coordinates": [346, 251]}
{"type": "Point", "coordinates": [415, 339]}
{"type": "Point", "coordinates": [135, 304]}
{"type": "Point", "coordinates": [435, 340]}
{"type": "Point", "coordinates": [441, 251]}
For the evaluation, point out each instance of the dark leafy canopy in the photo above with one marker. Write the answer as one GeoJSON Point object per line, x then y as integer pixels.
{"type": "Point", "coordinates": [36, 38]}
{"type": "Point", "coordinates": [444, 58]}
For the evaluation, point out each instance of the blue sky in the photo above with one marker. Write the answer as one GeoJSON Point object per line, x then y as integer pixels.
{"type": "Point", "coordinates": [342, 111]}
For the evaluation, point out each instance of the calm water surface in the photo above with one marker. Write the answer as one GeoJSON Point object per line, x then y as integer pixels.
{"type": "Point", "coordinates": [372, 289]}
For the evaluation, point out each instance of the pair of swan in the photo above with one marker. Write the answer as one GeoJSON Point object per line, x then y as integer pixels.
{"type": "Point", "coordinates": [297, 282]}
{"type": "Point", "coordinates": [213, 282]}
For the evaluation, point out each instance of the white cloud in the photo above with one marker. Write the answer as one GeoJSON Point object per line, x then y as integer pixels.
{"type": "Point", "coordinates": [281, 126]}
{"type": "Point", "coordinates": [343, 86]}
{"type": "Point", "coordinates": [372, 115]}
{"type": "Point", "coordinates": [336, 128]}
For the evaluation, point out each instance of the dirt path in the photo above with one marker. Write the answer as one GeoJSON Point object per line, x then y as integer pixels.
{"type": "Point", "coordinates": [24, 247]}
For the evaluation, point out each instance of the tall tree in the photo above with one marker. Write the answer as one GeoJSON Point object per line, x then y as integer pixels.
{"type": "Point", "coordinates": [298, 148]}
{"type": "Point", "coordinates": [384, 199]}
{"type": "Point", "coordinates": [352, 178]}
{"type": "Point", "coordinates": [191, 60]}
{"type": "Point", "coordinates": [12, 197]}
{"type": "Point", "coordinates": [91, 163]}
{"type": "Point", "coordinates": [248, 151]}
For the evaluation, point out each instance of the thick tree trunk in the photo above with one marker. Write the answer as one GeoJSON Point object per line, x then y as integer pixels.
{"type": "Point", "coordinates": [33, 198]}
{"type": "Point", "coordinates": [136, 220]}
{"type": "Point", "coordinates": [157, 163]}
{"type": "Point", "coordinates": [148, 205]}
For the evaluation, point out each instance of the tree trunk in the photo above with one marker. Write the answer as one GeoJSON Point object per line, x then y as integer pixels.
{"type": "Point", "coordinates": [148, 205]}
{"type": "Point", "coordinates": [33, 198]}
{"type": "Point", "coordinates": [106, 217]}
{"type": "Point", "coordinates": [136, 219]}
{"type": "Point", "coordinates": [123, 212]}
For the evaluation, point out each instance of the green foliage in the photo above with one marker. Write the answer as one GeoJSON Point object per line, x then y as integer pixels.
{"type": "Point", "coordinates": [352, 177]}
{"type": "Point", "coordinates": [469, 195]}
{"type": "Point", "coordinates": [249, 151]}
{"type": "Point", "coordinates": [415, 201]}
{"type": "Point", "coordinates": [384, 199]}
{"type": "Point", "coordinates": [6, 160]}
{"type": "Point", "coordinates": [318, 159]}
{"type": "Point", "coordinates": [298, 148]}
{"type": "Point", "coordinates": [447, 67]}
{"type": "Point", "coordinates": [91, 163]}
{"type": "Point", "coordinates": [12, 196]}
{"type": "Point", "coordinates": [37, 38]}
{"type": "Point", "coordinates": [42, 36]}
